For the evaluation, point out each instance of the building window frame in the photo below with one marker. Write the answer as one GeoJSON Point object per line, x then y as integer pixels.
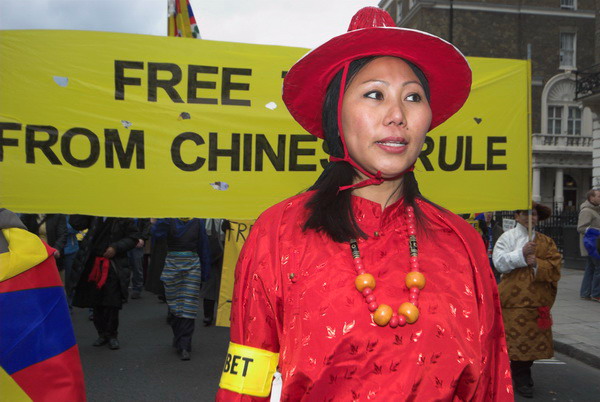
{"type": "Point", "coordinates": [564, 118]}
{"type": "Point", "coordinates": [399, 11]}
{"type": "Point", "coordinates": [567, 49]}
{"type": "Point", "coordinates": [558, 99]}
{"type": "Point", "coordinates": [568, 4]}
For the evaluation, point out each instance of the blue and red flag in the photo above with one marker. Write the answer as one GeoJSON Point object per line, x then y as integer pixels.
{"type": "Point", "coordinates": [39, 358]}
{"type": "Point", "coordinates": [181, 18]}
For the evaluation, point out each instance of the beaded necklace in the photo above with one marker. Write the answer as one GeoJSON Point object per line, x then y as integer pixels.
{"type": "Point", "coordinates": [408, 312]}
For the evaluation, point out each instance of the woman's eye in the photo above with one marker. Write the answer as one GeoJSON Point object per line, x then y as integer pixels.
{"type": "Point", "coordinates": [374, 95]}
{"type": "Point", "coordinates": [414, 98]}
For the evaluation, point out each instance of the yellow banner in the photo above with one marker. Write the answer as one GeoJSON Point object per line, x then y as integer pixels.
{"type": "Point", "coordinates": [235, 237]}
{"type": "Point", "coordinates": [143, 126]}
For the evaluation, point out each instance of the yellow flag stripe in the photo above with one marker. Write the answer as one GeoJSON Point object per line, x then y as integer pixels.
{"type": "Point", "coordinates": [25, 250]}
{"type": "Point", "coordinates": [10, 390]}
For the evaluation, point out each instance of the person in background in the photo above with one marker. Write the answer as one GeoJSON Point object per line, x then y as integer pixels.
{"type": "Point", "coordinates": [104, 266]}
{"type": "Point", "coordinates": [52, 228]}
{"type": "Point", "coordinates": [589, 217]}
{"type": "Point", "coordinates": [186, 265]}
{"type": "Point", "coordinates": [490, 232]}
{"type": "Point", "coordinates": [210, 289]}
{"type": "Point", "coordinates": [66, 260]}
{"type": "Point", "coordinates": [530, 272]}
{"type": "Point", "coordinates": [136, 257]}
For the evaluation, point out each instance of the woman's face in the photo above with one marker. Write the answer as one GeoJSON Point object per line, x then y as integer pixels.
{"type": "Point", "coordinates": [385, 116]}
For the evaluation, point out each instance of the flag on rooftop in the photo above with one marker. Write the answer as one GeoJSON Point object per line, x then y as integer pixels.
{"type": "Point", "coordinates": [182, 22]}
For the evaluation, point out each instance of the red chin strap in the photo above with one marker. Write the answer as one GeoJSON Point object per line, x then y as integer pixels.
{"type": "Point", "coordinates": [376, 178]}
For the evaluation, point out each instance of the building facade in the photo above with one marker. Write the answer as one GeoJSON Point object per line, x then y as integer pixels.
{"type": "Point", "coordinates": [559, 38]}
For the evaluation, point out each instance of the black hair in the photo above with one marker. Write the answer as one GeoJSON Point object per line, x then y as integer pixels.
{"type": "Point", "coordinates": [330, 210]}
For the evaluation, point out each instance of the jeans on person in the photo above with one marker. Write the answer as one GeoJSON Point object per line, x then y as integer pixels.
{"type": "Point", "coordinates": [590, 285]}
{"type": "Point", "coordinates": [136, 256]}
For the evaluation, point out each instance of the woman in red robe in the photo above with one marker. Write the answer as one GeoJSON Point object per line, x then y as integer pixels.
{"type": "Point", "coordinates": [361, 289]}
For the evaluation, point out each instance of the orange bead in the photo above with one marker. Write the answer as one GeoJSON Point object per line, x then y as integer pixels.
{"type": "Point", "coordinates": [415, 279]}
{"type": "Point", "coordinates": [382, 315]}
{"type": "Point", "coordinates": [364, 281]}
{"type": "Point", "coordinates": [410, 311]}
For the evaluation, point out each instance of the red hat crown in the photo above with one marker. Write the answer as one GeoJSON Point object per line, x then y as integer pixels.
{"type": "Point", "coordinates": [371, 17]}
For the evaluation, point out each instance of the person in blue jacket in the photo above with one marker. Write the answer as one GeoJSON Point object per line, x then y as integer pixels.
{"type": "Point", "coordinates": [186, 266]}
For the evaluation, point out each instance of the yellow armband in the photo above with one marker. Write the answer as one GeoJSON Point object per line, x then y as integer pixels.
{"type": "Point", "coordinates": [249, 370]}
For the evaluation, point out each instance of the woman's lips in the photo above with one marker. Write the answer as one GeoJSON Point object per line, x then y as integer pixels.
{"type": "Point", "coordinates": [392, 145]}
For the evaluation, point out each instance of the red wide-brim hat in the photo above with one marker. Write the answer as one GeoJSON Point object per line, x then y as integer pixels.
{"type": "Point", "coordinates": [372, 32]}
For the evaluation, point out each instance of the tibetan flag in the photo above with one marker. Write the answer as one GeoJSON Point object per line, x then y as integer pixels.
{"type": "Point", "coordinates": [182, 22]}
{"type": "Point", "coordinates": [39, 358]}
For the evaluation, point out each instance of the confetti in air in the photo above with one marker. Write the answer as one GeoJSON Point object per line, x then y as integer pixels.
{"type": "Point", "coordinates": [126, 123]}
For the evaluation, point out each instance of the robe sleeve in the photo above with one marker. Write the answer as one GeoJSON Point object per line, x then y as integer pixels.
{"type": "Point", "coordinates": [548, 260]}
{"type": "Point", "coordinates": [256, 298]}
{"type": "Point", "coordinates": [505, 257]}
{"type": "Point", "coordinates": [495, 383]}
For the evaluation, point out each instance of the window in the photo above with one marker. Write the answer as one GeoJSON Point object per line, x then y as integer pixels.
{"type": "Point", "coordinates": [558, 125]}
{"type": "Point", "coordinates": [567, 50]}
{"type": "Point", "coordinates": [554, 119]}
{"type": "Point", "coordinates": [398, 11]}
{"type": "Point", "coordinates": [568, 4]}
{"type": "Point", "coordinates": [574, 121]}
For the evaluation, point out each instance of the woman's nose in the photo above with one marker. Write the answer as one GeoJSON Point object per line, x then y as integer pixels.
{"type": "Point", "coordinates": [395, 115]}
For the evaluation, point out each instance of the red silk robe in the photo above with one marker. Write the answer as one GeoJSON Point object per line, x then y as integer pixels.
{"type": "Point", "coordinates": [294, 294]}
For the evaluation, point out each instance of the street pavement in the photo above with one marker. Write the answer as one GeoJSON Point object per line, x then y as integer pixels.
{"type": "Point", "coordinates": [576, 327]}
{"type": "Point", "coordinates": [147, 368]}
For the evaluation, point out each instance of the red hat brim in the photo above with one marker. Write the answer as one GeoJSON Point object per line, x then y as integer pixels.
{"type": "Point", "coordinates": [446, 69]}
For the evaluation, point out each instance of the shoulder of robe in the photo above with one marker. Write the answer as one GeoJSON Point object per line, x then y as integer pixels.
{"type": "Point", "coordinates": [289, 210]}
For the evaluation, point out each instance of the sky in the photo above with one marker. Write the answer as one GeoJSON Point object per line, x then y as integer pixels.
{"type": "Point", "coordinates": [301, 23]}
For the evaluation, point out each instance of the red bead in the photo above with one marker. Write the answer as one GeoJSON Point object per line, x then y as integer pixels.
{"type": "Point", "coordinates": [413, 259]}
{"type": "Point", "coordinates": [370, 298]}
{"type": "Point", "coordinates": [413, 298]}
{"type": "Point", "coordinates": [409, 209]}
{"type": "Point", "coordinates": [401, 320]}
{"type": "Point", "coordinates": [362, 272]}
{"type": "Point", "coordinates": [414, 290]}
{"type": "Point", "coordinates": [367, 291]}
{"type": "Point", "coordinates": [357, 261]}
{"type": "Point", "coordinates": [359, 267]}
{"type": "Point", "coordinates": [414, 266]}
{"type": "Point", "coordinates": [412, 232]}
{"type": "Point", "coordinates": [373, 306]}
{"type": "Point", "coordinates": [394, 321]}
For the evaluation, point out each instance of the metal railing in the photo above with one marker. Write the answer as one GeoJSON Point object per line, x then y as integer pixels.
{"type": "Point", "coordinates": [553, 227]}
{"type": "Point", "coordinates": [587, 82]}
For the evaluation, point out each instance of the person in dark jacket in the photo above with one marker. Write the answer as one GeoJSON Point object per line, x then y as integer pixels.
{"type": "Point", "coordinates": [186, 266]}
{"type": "Point", "coordinates": [52, 228]}
{"type": "Point", "coordinates": [136, 257]}
{"type": "Point", "coordinates": [491, 230]}
{"type": "Point", "coordinates": [104, 266]}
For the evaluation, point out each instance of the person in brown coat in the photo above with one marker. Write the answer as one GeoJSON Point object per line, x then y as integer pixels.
{"type": "Point", "coordinates": [530, 272]}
